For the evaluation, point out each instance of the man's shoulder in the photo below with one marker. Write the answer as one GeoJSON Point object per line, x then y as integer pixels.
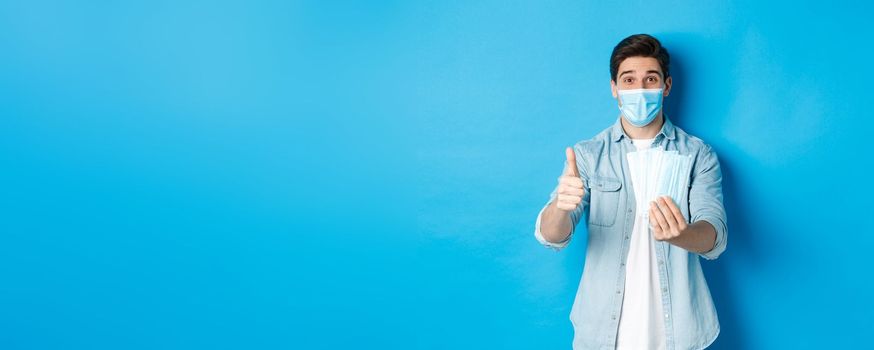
{"type": "Point", "coordinates": [597, 142]}
{"type": "Point", "coordinates": [689, 141]}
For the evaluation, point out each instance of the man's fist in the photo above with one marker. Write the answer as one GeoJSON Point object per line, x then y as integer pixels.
{"type": "Point", "coordinates": [570, 186]}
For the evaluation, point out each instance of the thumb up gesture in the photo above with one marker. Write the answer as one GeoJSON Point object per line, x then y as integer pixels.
{"type": "Point", "coordinates": [570, 185]}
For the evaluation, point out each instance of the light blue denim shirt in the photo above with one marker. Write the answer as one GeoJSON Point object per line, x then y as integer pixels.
{"type": "Point", "coordinates": [609, 204]}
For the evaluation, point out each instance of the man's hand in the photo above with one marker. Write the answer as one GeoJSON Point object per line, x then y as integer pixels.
{"type": "Point", "coordinates": [666, 219]}
{"type": "Point", "coordinates": [668, 224]}
{"type": "Point", "coordinates": [570, 185]}
{"type": "Point", "coordinates": [556, 224]}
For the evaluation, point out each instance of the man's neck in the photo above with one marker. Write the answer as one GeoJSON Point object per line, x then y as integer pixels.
{"type": "Point", "coordinates": [647, 132]}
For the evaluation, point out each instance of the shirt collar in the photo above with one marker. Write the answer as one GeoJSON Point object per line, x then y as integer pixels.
{"type": "Point", "coordinates": [667, 130]}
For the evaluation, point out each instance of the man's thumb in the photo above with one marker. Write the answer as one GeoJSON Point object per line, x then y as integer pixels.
{"type": "Point", "coordinates": [571, 162]}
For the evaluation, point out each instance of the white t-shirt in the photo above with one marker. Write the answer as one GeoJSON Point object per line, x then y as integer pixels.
{"type": "Point", "coordinates": [641, 325]}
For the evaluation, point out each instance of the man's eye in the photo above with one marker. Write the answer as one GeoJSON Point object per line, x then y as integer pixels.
{"type": "Point", "coordinates": [652, 79]}
{"type": "Point", "coordinates": [628, 80]}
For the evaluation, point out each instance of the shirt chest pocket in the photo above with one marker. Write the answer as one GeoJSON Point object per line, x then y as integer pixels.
{"type": "Point", "coordinates": [604, 201]}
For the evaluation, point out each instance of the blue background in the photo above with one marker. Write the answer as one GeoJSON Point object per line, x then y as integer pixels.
{"type": "Point", "coordinates": [344, 175]}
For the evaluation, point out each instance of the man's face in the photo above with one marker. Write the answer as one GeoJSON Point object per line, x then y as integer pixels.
{"type": "Point", "coordinates": [640, 73]}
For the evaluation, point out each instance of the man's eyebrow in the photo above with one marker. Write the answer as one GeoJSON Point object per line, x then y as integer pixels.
{"type": "Point", "coordinates": [647, 72]}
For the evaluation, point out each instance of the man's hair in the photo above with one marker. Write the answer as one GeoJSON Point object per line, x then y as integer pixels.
{"type": "Point", "coordinates": [639, 45]}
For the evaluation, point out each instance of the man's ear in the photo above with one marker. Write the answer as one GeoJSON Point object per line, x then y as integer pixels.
{"type": "Point", "coordinates": [668, 83]}
{"type": "Point", "coordinates": [613, 88]}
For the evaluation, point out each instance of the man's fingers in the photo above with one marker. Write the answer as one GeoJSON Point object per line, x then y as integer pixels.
{"type": "Point", "coordinates": [569, 198]}
{"type": "Point", "coordinates": [567, 203]}
{"type": "Point", "coordinates": [570, 190]}
{"type": "Point", "coordinates": [571, 167]}
{"type": "Point", "coordinates": [571, 181]}
{"type": "Point", "coordinates": [655, 212]}
{"type": "Point", "coordinates": [678, 215]}
{"type": "Point", "coordinates": [570, 185]}
{"type": "Point", "coordinates": [565, 206]}
{"type": "Point", "coordinates": [666, 213]}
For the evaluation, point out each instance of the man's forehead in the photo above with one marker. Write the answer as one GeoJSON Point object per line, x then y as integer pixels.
{"type": "Point", "coordinates": [640, 65]}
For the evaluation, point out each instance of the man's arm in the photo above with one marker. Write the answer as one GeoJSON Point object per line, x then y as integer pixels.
{"type": "Point", "coordinates": [557, 220]}
{"type": "Point", "coordinates": [555, 224]}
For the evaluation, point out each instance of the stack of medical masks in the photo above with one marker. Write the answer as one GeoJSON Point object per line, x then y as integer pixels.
{"type": "Point", "coordinates": [659, 173]}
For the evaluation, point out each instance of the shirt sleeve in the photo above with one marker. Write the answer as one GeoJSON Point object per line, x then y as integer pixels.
{"type": "Point", "coordinates": [705, 199]}
{"type": "Point", "coordinates": [576, 214]}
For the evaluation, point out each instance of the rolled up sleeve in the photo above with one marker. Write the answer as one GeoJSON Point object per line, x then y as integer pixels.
{"type": "Point", "coordinates": [705, 199]}
{"type": "Point", "coordinates": [537, 234]}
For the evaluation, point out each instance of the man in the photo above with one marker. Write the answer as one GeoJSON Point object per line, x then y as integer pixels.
{"type": "Point", "coordinates": [642, 284]}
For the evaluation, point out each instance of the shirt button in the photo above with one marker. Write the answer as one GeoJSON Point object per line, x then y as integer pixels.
{"type": "Point", "coordinates": [618, 292]}
{"type": "Point", "coordinates": [666, 315]}
{"type": "Point", "coordinates": [626, 237]}
{"type": "Point", "coordinates": [661, 262]}
{"type": "Point", "coordinates": [614, 317]}
{"type": "Point", "coordinates": [664, 289]}
{"type": "Point", "coordinates": [629, 210]}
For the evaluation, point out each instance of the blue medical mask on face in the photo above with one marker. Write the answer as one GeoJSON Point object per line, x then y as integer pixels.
{"type": "Point", "coordinates": [640, 106]}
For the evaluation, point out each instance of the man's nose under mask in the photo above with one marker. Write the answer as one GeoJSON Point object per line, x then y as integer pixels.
{"type": "Point", "coordinates": [640, 106]}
